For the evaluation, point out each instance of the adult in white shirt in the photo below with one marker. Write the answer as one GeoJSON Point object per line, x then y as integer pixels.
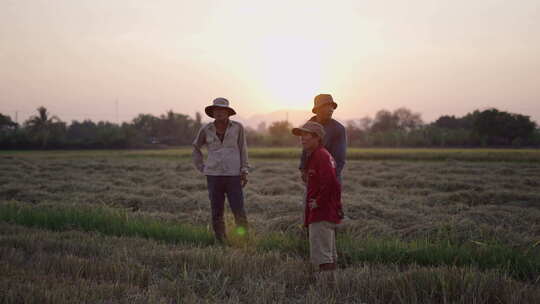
{"type": "Point", "coordinates": [226, 167]}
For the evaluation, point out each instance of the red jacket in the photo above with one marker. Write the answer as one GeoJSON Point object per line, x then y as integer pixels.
{"type": "Point", "coordinates": [323, 188]}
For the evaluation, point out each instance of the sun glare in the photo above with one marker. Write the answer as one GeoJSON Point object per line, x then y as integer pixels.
{"type": "Point", "coordinates": [291, 71]}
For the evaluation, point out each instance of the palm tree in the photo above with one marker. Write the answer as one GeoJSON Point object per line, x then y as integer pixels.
{"type": "Point", "coordinates": [41, 125]}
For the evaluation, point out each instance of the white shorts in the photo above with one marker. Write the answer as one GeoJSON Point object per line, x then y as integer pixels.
{"type": "Point", "coordinates": [322, 243]}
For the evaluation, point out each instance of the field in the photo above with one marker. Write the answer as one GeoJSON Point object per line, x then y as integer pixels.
{"type": "Point", "coordinates": [420, 154]}
{"type": "Point", "coordinates": [426, 226]}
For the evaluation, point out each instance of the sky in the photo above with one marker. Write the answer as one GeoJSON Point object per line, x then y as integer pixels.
{"type": "Point", "coordinates": [111, 60]}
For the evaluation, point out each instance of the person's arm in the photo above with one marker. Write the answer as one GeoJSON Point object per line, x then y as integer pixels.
{"type": "Point", "coordinates": [199, 141]}
{"type": "Point", "coordinates": [326, 179]}
{"type": "Point", "coordinates": [244, 162]}
{"type": "Point", "coordinates": [302, 166]}
{"type": "Point", "coordinates": [340, 146]}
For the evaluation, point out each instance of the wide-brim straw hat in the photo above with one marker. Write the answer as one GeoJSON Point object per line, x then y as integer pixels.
{"type": "Point", "coordinates": [321, 100]}
{"type": "Point", "coordinates": [221, 103]}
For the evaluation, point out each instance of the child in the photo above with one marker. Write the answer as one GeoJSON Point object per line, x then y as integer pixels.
{"type": "Point", "coordinates": [323, 209]}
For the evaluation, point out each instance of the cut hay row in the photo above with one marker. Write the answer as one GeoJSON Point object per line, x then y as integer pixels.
{"type": "Point", "coordinates": [42, 266]}
{"type": "Point", "coordinates": [481, 255]}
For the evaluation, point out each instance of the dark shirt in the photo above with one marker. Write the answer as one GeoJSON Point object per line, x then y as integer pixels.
{"type": "Point", "coordinates": [335, 141]}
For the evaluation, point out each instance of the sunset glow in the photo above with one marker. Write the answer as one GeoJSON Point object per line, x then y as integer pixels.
{"type": "Point", "coordinates": [292, 71]}
{"type": "Point", "coordinates": [81, 58]}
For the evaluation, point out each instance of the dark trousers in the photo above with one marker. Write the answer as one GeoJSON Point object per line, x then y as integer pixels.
{"type": "Point", "coordinates": [218, 187]}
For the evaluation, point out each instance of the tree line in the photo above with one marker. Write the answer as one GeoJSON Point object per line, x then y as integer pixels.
{"type": "Point", "coordinates": [398, 128]}
{"type": "Point", "coordinates": [403, 128]}
{"type": "Point", "coordinates": [46, 131]}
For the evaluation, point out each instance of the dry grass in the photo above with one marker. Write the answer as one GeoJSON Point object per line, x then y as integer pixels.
{"type": "Point", "coordinates": [44, 267]}
{"type": "Point", "coordinates": [413, 154]}
{"type": "Point", "coordinates": [484, 202]}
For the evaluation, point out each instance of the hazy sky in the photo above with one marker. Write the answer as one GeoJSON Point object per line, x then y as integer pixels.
{"type": "Point", "coordinates": [77, 57]}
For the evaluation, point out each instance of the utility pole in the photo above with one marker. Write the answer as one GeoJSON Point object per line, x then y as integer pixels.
{"type": "Point", "coordinates": [16, 117]}
{"type": "Point", "coordinates": [116, 104]}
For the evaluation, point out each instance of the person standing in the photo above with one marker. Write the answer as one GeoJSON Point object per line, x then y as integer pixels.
{"type": "Point", "coordinates": [335, 138]}
{"type": "Point", "coordinates": [323, 210]}
{"type": "Point", "coordinates": [226, 167]}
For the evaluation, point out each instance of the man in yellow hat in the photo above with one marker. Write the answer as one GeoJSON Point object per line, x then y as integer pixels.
{"type": "Point", "coordinates": [335, 138]}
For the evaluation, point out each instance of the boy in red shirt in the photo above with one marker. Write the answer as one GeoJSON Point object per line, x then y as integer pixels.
{"type": "Point", "coordinates": [323, 209]}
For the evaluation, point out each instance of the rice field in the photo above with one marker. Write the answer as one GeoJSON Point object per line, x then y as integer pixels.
{"type": "Point", "coordinates": [418, 154]}
{"type": "Point", "coordinates": [425, 226]}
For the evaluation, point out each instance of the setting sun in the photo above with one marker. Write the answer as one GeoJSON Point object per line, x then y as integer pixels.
{"type": "Point", "coordinates": [291, 71]}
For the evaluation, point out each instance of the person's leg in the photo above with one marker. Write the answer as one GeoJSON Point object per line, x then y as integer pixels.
{"type": "Point", "coordinates": [216, 193]}
{"type": "Point", "coordinates": [334, 248]}
{"type": "Point", "coordinates": [304, 204]}
{"type": "Point", "coordinates": [235, 196]}
{"type": "Point", "coordinates": [323, 255]}
{"type": "Point", "coordinates": [330, 229]}
{"type": "Point", "coordinates": [322, 243]}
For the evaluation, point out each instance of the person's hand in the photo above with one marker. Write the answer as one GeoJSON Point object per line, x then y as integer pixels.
{"type": "Point", "coordinates": [340, 214]}
{"type": "Point", "coordinates": [312, 203]}
{"type": "Point", "coordinates": [243, 179]}
{"type": "Point", "coordinates": [303, 175]}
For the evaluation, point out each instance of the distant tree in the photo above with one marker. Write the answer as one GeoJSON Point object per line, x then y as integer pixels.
{"type": "Point", "coordinates": [407, 120]}
{"type": "Point", "coordinates": [280, 133]}
{"type": "Point", "coordinates": [280, 128]}
{"type": "Point", "coordinates": [6, 123]}
{"type": "Point", "coordinates": [384, 121]}
{"type": "Point", "coordinates": [365, 123]}
{"type": "Point", "coordinates": [499, 127]}
{"type": "Point", "coordinates": [417, 137]}
{"type": "Point", "coordinates": [9, 132]}
{"type": "Point", "coordinates": [448, 122]}
{"type": "Point", "coordinates": [253, 137]}
{"type": "Point", "coordinates": [147, 124]}
{"type": "Point", "coordinates": [354, 132]}
{"type": "Point", "coordinates": [451, 122]}
{"type": "Point", "coordinates": [467, 121]}
{"type": "Point", "coordinates": [536, 138]}
{"type": "Point", "coordinates": [133, 137]}
{"type": "Point", "coordinates": [520, 130]}
{"type": "Point", "coordinates": [82, 134]}
{"type": "Point", "coordinates": [109, 135]}
{"type": "Point", "coordinates": [176, 129]}
{"type": "Point", "coordinates": [41, 126]}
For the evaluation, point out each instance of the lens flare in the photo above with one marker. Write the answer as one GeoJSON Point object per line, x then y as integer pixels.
{"type": "Point", "coordinates": [241, 231]}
